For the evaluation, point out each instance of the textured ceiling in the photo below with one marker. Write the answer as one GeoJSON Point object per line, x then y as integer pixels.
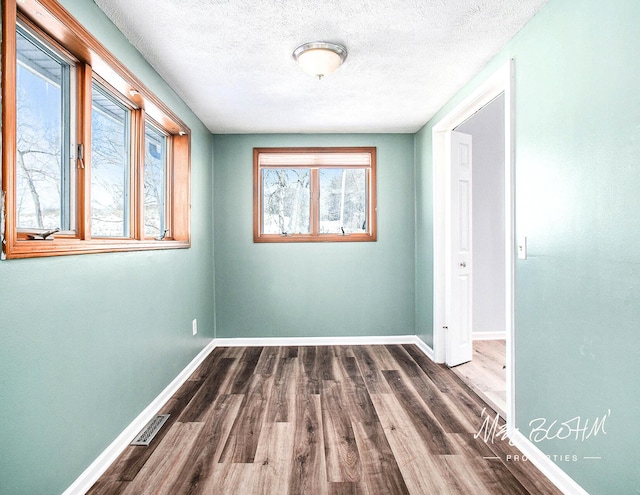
{"type": "Point", "coordinates": [230, 60]}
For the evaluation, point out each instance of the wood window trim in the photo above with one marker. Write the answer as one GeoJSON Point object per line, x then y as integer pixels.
{"type": "Point", "coordinates": [259, 237]}
{"type": "Point", "coordinates": [55, 24]}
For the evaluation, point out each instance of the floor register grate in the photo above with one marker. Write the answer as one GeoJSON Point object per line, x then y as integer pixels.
{"type": "Point", "coordinates": [150, 431]}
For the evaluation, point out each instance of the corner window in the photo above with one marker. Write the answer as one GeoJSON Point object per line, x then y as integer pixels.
{"type": "Point", "coordinates": [92, 161]}
{"type": "Point", "coordinates": [314, 194]}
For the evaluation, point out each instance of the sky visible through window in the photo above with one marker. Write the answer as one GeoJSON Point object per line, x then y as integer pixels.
{"type": "Point", "coordinates": [100, 167]}
{"type": "Point", "coordinates": [45, 168]}
{"type": "Point", "coordinates": [110, 162]}
{"type": "Point", "coordinates": [40, 173]}
{"type": "Point", "coordinates": [314, 194]}
{"type": "Point", "coordinates": [155, 161]}
{"type": "Point", "coordinates": [343, 200]}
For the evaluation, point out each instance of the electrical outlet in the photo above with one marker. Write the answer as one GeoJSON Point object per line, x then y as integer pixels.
{"type": "Point", "coordinates": [194, 325]}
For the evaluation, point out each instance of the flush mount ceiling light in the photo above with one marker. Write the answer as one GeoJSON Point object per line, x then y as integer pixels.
{"type": "Point", "coordinates": [320, 58]}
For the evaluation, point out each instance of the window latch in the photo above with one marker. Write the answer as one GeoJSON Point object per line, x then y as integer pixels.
{"type": "Point", "coordinates": [161, 237]}
{"type": "Point", "coordinates": [81, 155]}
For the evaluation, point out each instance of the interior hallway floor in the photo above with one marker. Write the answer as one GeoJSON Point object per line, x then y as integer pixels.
{"type": "Point", "coordinates": [486, 373]}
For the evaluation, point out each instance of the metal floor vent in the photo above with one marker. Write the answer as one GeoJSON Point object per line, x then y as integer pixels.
{"type": "Point", "coordinates": [149, 431]}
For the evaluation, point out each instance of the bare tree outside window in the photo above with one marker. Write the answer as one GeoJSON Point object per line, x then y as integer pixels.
{"type": "Point", "coordinates": [314, 194]}
{"type": "Point", "coordinates": [43, 171]}
{"type": "Point", "coordinates": [343, 200]}
{"type": "Point", "coordinates": [97, 163]}
{"type": "Point", "coordinates": [155, 169]}
{"type": "Point", "coordinates": [286, 200]}
{"type": "Point", "coordinates": [110, 166]}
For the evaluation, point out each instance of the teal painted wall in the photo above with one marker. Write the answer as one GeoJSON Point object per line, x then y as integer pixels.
{"type": "Point", "coordinates": [577, 120]}
{"type": "Point", "coordinates": [87, 342]}
{"type": "Point", "coordinates": [313, 289]}
{"type": "Point", "coordinates": [424, 237]}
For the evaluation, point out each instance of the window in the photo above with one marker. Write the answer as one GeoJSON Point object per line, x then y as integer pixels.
{"type": "Point", "coordinates": [314, 194]}
{"type": "Point", "coordinates": [155, 186]}
{"type": "Point", "coordinates": [44, 175]}
{"type": "Point", "coordinates": [110, 165]}
{"type": "Point", "coordinates": [92, 161]}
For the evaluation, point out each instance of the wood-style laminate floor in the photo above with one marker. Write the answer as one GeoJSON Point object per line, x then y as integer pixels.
{"type": "Point", "coordinates": [486, 373]}
{"type": "Point", "coordinates": [376, 420]}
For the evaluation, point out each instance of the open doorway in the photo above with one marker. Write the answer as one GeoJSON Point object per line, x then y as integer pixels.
{"type": "Point", "coordinates": [476, 324]}
{"type": "Point", "coordinates": [486, 371]}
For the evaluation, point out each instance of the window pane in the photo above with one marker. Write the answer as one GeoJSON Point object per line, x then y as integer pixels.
{"type": "Point", "coordinates": [155, 166]}
{"type": "Point", "coordinates": [110, 162]}
{"type": "Point", "coordinates": [286, 201]}
{"type": "Point", "coordinates": [343, 201]}
{"type": "Point", "coordinates": [43, 165]}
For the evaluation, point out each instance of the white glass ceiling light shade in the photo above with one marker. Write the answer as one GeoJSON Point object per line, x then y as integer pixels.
{"type": "Point", "coordinates": [320, 58]}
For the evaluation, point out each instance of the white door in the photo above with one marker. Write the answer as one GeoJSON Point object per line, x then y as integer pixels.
{"type": "Point", "coordinates": [459, 293]}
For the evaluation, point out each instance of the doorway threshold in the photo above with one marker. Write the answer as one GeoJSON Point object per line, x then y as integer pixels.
{"type": "Point", "coordinates": [485, 374]}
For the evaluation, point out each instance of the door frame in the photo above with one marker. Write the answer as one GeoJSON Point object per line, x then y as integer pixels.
{"type": "Point", "coordinates": [502, 81]}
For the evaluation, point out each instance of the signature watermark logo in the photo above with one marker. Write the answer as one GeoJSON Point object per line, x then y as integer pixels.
{"type": "Point", "coordinates": [576, 429]}
{"type": "Point", "coordinates": [491, 428]}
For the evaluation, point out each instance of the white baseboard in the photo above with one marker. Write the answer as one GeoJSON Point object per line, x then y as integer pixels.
{"type": "Point", "coordinates": [305, 341]}
{"type": "Point", "coordinates": [428, 351]}
{"type": "Point", "coordinates": [550, 469]}
{"type": "Point", "coordinates": [489, 336]}
{"type": "Point", "coordinates": [97, 468]}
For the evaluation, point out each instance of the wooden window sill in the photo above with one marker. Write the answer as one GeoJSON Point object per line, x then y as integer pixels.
{"type": "Point", "coordinates": [315, 238]}
{"type": "Point", "coordinates": [62, 247]}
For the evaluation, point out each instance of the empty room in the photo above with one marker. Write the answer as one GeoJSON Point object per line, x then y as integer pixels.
{"type": "Point", "coordinates": [368, 247]}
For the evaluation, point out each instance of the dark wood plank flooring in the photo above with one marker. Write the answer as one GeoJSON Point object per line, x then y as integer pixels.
{"type": "Point", "coordinates": [323, 420]}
